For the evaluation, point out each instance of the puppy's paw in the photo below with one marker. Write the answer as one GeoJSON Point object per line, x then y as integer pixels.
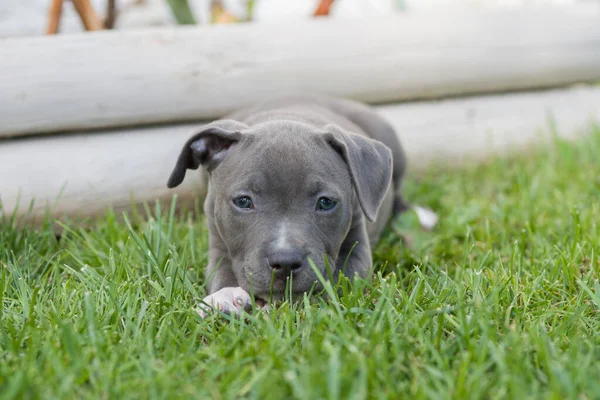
{"type": "Point", "coordinates": [229, 300]}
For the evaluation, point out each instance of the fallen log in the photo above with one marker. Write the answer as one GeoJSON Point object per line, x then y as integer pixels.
{"type": "Point", "coordinates": [111, 79]}
{"type": "Point", "coordinates": [81, 175]}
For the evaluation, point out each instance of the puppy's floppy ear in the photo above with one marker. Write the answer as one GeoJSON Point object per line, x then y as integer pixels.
{"type": "Point", "coordinates": [370, 165]}
{"type": "Point", "coordinates": [207, 148]}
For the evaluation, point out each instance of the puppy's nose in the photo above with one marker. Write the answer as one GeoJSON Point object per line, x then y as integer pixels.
{"type": "Point", "coordinates": [286, 262]}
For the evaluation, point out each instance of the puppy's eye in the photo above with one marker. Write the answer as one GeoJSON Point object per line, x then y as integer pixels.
{"type": "Point", "coordinates": [243, 202]}
{"type": "Point", "coordinates": [325, 203]}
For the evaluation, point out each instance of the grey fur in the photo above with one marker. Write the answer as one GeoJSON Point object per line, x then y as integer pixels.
{"type": "Point", "coordinates": [285, 153]}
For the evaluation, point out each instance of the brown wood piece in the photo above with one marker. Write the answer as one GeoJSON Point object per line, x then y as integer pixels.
{"type": "Point", "coordinates": [111, 14]}
{"type": "Point", "coordinates": [219, 15]}
{"type": "Point", "coordinates": [54, 17]}
{"type": "Point", "coordinates": [323, 8]}
{"type": "Point", "coordinates": [88, 16]}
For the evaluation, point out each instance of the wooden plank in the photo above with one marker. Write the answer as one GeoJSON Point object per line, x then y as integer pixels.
{"type": "Point", "coordinates": [468, 130]}
{"type": "Point", "coordinates": [128, 78]}
{"type": "Point", "coordinates": [89, 172]}
{"type": "Point", "coordinates": [82, 175]}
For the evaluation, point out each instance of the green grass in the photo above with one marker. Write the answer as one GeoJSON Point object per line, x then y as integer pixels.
{"type": "Point", "coordinates": [181, 12]}
{"type": "Point", "coordinates": [502, 300]}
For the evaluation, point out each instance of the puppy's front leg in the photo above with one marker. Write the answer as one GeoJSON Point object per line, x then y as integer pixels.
{"type": "Point", "coordinates": [225, 294]}
{"type": "Point", "coordinates": [355, 255]}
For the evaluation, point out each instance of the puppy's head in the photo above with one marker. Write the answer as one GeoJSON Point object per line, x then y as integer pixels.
{"type": "Point", "coordinates": [282, 192]}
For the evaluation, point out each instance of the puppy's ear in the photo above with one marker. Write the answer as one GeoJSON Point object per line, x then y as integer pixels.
{"type": "Point", "coordinates": [370, 165]}
{"type": "Point", "coordinates": [207, 148]}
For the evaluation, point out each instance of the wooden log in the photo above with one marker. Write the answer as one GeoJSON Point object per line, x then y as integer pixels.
{"type": "Point", "coordinates": [87, 14]}
{"type": "Point", "coordinates": [54, 16]}
{"type": "Point", "coordinates": [81, 175]}
{"type": "Point", "coordinates": [323, 8]}
{"type": "Point", "coordinates": [128, 78]}
{"type": "Point", "coordinates": [111, 14]}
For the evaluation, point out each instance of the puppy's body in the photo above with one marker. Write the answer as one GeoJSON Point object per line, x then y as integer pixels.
{"type": "Point", "coordinates": [275, 169]}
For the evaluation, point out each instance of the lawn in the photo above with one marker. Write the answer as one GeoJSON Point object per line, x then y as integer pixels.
{"type": "Point", "coordinates": [501, 300]}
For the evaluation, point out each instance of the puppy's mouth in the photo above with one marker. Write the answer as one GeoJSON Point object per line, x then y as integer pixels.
{"type": "Point", "coordinates": [260, 302]}
{"type": "Point", "coordinates": [281, 290]}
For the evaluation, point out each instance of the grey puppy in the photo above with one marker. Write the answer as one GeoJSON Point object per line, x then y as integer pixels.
{"type": "Point", "coordinates": [293, 179]}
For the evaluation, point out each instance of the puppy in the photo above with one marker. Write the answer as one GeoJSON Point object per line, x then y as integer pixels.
{"type": "Point", "coordinates": [289, 180]}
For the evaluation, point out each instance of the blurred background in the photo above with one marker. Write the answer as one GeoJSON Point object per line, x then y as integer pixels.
{"type": "Point", "coordinates": [30, 17]}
